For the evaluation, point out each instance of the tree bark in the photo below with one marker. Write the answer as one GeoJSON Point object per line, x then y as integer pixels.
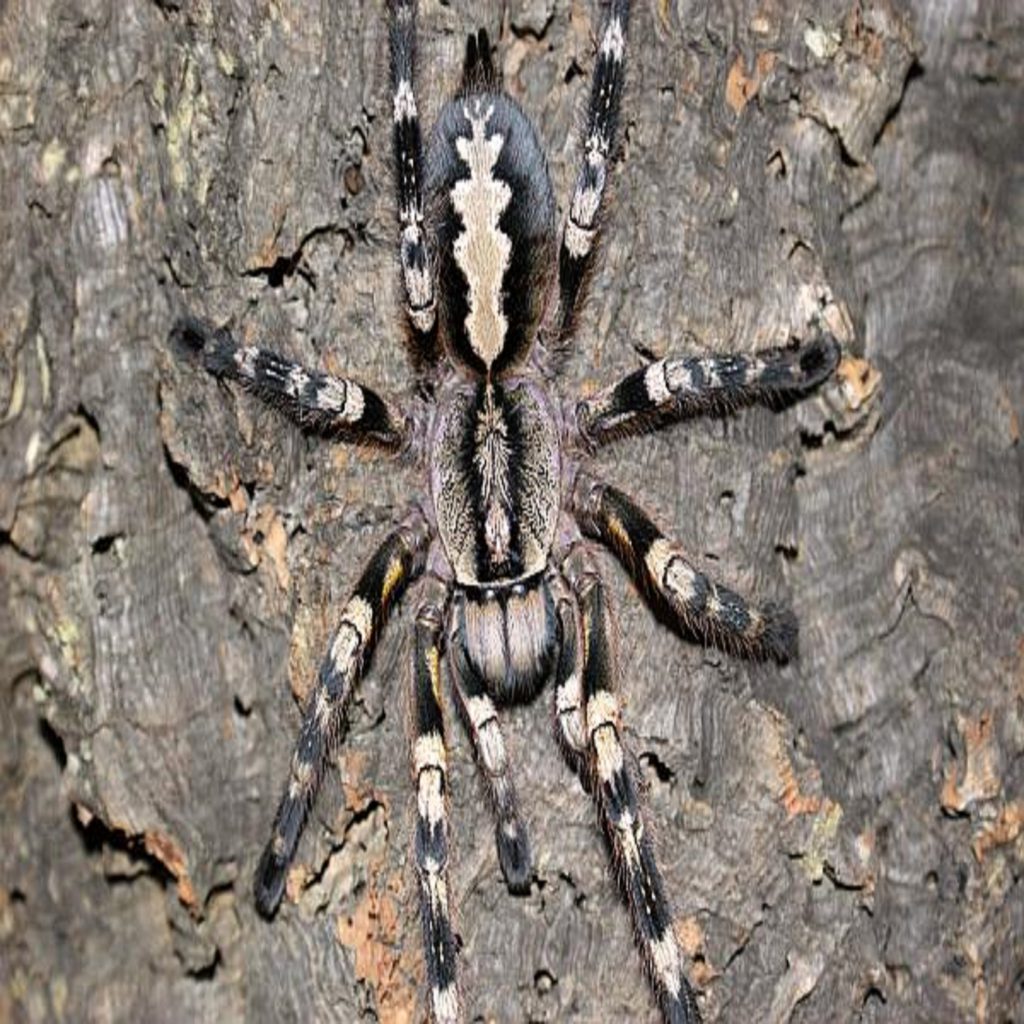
{"type": "Point", "coordinates": [843, 838]}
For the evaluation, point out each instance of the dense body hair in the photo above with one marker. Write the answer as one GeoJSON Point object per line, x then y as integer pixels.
{"type": "Point", "coordinates": [498, 550]}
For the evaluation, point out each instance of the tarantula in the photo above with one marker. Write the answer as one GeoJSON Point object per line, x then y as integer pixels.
{"type": "Point", "coordinates": [506, 587]}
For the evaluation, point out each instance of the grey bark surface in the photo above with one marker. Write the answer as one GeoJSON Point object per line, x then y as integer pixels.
{"type": "Point", "coordinates": [843, 838]}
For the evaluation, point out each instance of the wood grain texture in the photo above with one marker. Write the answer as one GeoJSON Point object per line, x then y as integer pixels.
{"type": "Point", "coordinates": [842, 837]}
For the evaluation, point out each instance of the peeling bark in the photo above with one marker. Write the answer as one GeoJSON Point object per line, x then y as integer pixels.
{"type": "Point", "coordinates": [843, 837]}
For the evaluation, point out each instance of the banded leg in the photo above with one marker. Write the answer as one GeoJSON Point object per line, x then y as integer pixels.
{"type": "Point", "coordinates": [616, 791]}
{"type": "Point", "coordinates": [575, 259]}
{"type": "Point", "coordinates": [398, 560]}
{"type": "Point", "coordinates": [482, 717]}
{"type": "Point", "coordinates": [708, 609]}
{"type": "Point", "coordinates": [333, 407]}
{"type": "Point", "coordinates": [571, 730]}
{"type": "Point", "coordinates": [407, 147]}
{"type": "Point", "coordinates": [674, 387]}
{"type": "Point", "coordinates": [430, 766]}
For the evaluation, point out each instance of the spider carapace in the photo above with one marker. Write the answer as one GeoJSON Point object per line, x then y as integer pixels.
{"type": "Point", "coordinates": [499, 558]}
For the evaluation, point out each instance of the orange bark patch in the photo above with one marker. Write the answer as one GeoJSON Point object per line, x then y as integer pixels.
{"type": "Point", "coordinates": [311, 631]}
{"type": "Point", "coordinates": [374, 933]}
{"type": "Point", "coordinates": [793, 799]}
{"type": "Point", "coordinates": [690, 936]}
{"type": "Point", "coordinates": [863, 39]}
{"type": "Point", "coordinates": [789, 792]}
{"type": "Point", "coordinates": [691, 939]}
{"type": "Point", "coordinates": [268, 251]}
{"type": "Point", "coordinates": [274, 544]}
{"type": "Point", "coordinates": [796, 802]}
{"type": "Point", "coordinates": [166, 850]}
{"type": "Point", "coordinates": [741, 87]}
{"type": "Point", "coordinates": [296, 881]}
{"type": "Point", "coordinates": [357, 793]}
{"type": "Point", "coordinates": [981, 776]}
{"type": "Point", "coordinates": [859, 379]}
{"type": "Point", "coordinates": [1005, 829]}
{"type": "Point", "coordinates": [238, 499]}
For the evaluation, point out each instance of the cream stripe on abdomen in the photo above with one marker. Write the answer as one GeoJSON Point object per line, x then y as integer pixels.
{"type": "Point", "coordinates": [482, 251]}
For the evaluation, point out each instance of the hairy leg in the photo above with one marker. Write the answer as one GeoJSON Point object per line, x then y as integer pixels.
{"type": "Point", "coordinates": [615, 787]}
{"type": "Point", "coordinates": [660, 568]}
{"type": "Point", "coordinates": [677, 387]}
{"type": "Point", "coordinates": [482, 718]}
{"type": "Point", "coordinates": [398, 560]}
{"type": "Point", "coordinates": [583, 221]}
{"type": "Point", "coordinates": [407, 149]}
{"type": "Point", "coordinates": [569, 721]}
{"type": "Point", "coordinates": [334, 407]}
{"type": "Point", "coordinates": [430, 768]}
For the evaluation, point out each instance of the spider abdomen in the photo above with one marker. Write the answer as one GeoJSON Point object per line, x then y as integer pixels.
{"type": "Point", "coordinates": [492, 212]}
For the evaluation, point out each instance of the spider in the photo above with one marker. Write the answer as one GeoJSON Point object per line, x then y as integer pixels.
{"type": "Point", "coordinates": [500, 555]}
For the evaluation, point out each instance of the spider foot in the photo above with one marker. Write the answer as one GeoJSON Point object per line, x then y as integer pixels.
{"type": "Point", "coordinates": [779, 633]}
{"type": "Point", "coordinates": [334, 407]}
{"type": "Point", "coordinates": [681, 1008]}
{"type": "Point", "coordinates": [269, 883]}
{"type": "Point", "coordinates": [514, 855]}
{"type": "Point", "coordinates": [818, 360]}
{"type": "Point", "coordinates": [195, 338]}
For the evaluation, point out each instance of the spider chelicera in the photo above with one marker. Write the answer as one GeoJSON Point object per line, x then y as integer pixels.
{"type": "Point", "coordinates": [499, 559]}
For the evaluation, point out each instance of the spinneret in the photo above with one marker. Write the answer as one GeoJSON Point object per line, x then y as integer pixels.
{"type": "Point", "coordinates": [499, 553]}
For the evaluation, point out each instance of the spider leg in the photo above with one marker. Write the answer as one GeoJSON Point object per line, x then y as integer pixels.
{"type": "Point", "coordinates": [333, 407]}
{"type": "Point", "coordinates": [660, 568]}
{"type": "Point", "coordinates": [580, 236]}
{"type": "Point", "coordinates": [398, 561]}
{"type": "Point", "coordinates": [407, 148]}
{"type": "Point", "coordinates": [677, 387]}
{"type": "Point", "coordinates": [489, 743]}
{"type": "Point", "coordinates": [570, 725]}
{"type": "Point", "coordinates": [430, 766]}
{"type": "Point", "coordinates": [615, 788]}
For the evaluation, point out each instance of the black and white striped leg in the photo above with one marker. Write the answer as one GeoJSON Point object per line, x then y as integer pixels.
{"type": "Point", "coordinates": [430, 768]}
{"type": "Point", "coordinates": [398, 560]}
{"type": "Point", "coordinates": [482, 717]}
{"type": "Point", "coordinates": [676, 387]}
{"type": "Point", "coordinates": [407, 146]}
{"type": "Point", "coordinates": [570, 726]}
{"type": "Point", "coordinates": [334, 407]}
{"type": "Point", "coordinates": [579, 238]}
{"type": "Point", "coordinates": [615, 787]}
{"type": "Point", "coordinates": [711, 611]}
